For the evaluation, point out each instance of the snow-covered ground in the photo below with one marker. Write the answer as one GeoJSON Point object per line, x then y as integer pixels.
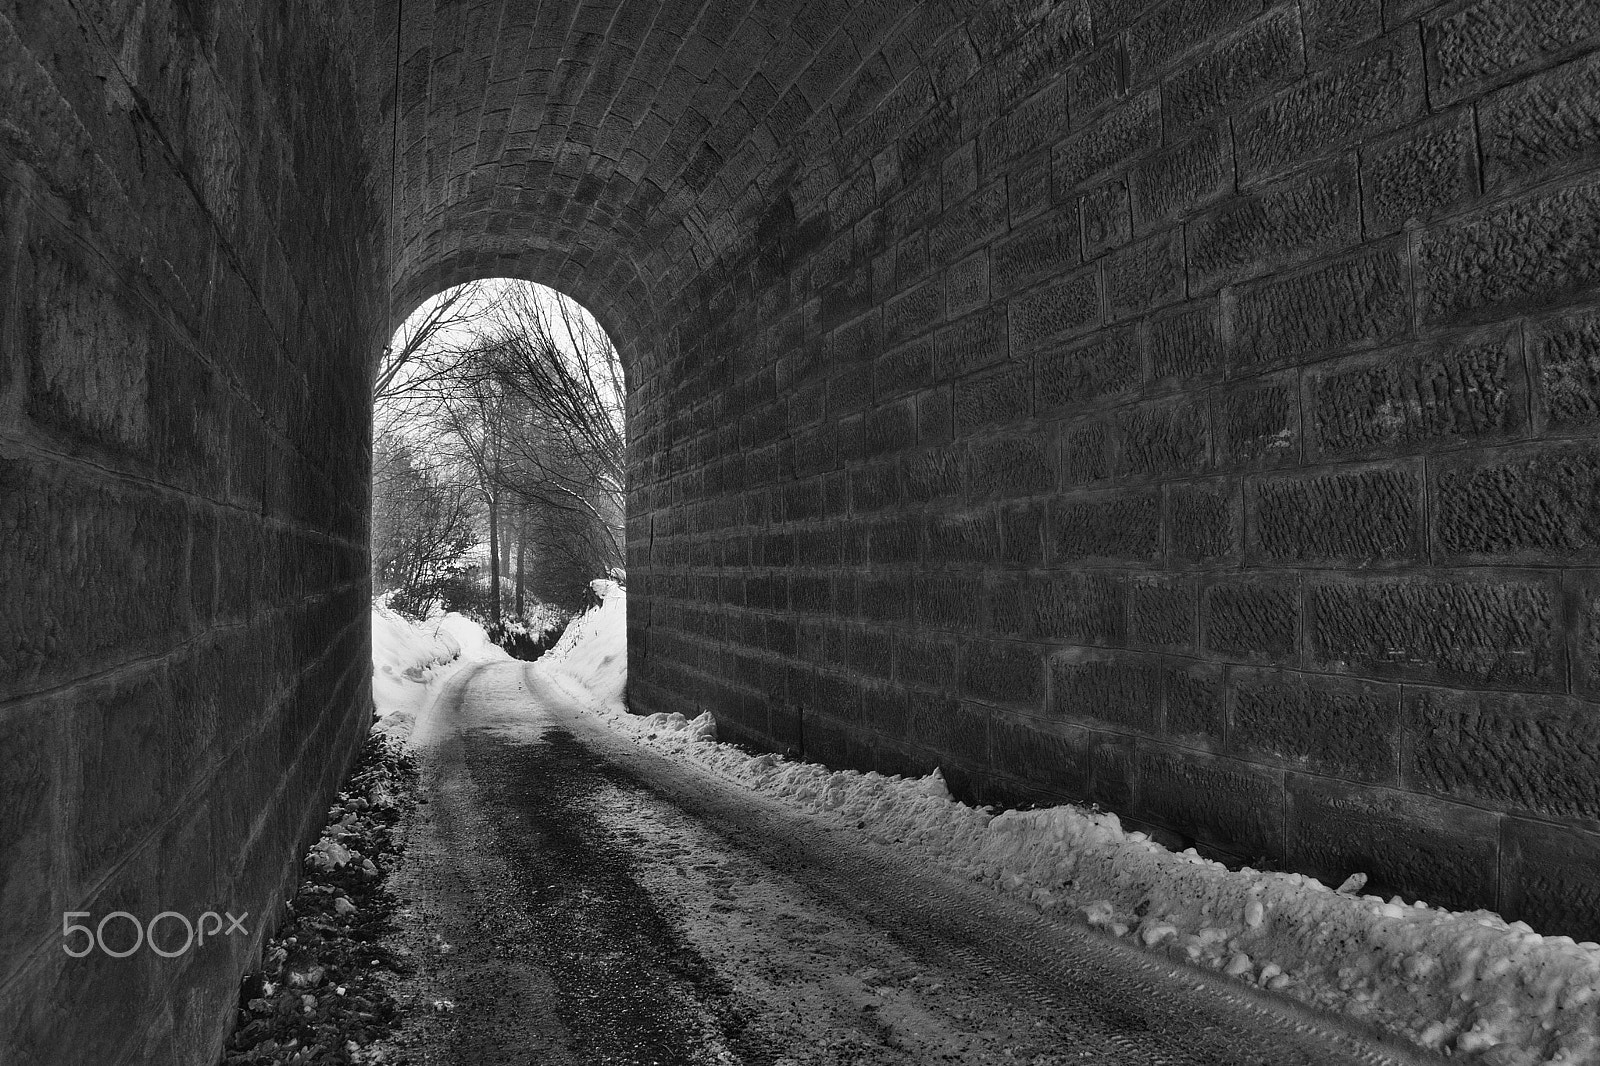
{"type": "Point", "coordinates": [1468, 984]}
{"type": "Point", "coordinates": [1465, 983]}
{"type": "Point", "coordinates": [411, 661]}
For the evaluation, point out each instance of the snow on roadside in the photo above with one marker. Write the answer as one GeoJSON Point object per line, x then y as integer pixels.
{"type": "Point", "coordinates": [411, 660]}
{"type": "Point", "coordinates": [1468, 984]}
{"type": "Point", "coordinates": [593, 650]}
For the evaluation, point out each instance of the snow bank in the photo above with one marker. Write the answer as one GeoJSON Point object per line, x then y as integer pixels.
{"type": "Point", "coordinates": [410, 660]}
{"type": "Point", "coordinates": [593, 650]}
{"type": "Point", "coordinates": [1465, 983]}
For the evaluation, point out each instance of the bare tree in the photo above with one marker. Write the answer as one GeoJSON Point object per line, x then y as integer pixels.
{"type": "Point", "coordinates": [422, 525]}
{"type": "Point", "coordinates": [526, 408]}
{"type": "Point", "coordinates": [417, 362]}
{"type": "Point", "coordinates": [566, 453]}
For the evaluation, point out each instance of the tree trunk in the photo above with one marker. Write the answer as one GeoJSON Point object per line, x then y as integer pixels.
{"type": "Point", "coordinates": [522, 544]}
{"type": "Point", "coordinates": [494, 560]}
{"type": "Point", "coordinates": [505, 549]}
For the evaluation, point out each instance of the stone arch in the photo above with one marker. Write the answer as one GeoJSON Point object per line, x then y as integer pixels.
{"type": "Point", "coordinates": [1101, 400]}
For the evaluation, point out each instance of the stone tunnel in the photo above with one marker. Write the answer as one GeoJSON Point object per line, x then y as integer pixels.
{"type": "Point", "coordinates": [1187, 407]}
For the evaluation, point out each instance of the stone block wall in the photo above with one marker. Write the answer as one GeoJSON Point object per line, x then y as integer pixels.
{"type": "Point", "coordinates": [188, 296]}
{"type": "Point", "coordinates": [1188, 407]}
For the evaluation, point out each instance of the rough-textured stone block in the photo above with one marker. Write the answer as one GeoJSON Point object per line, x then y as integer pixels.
{"type": "Point", "coordinates": [927, 661]}
{"type": "Point", "coordinates": [1203, 522]}
{"type": "Point", "coordinates": [1251, 619]}
{"type": "Point", "coordinates": [1178, 27]}
{"type": "Point", "coordinates": [966, 284]}
{"type": "Point", "coordinates": [1585, 637]}
{"type": "Point", "coordinates": [1372, 92]}
{"type": "Point", "coordinates": [1526, 253]}
{"type": "Point", "coordinates": [961, 539]}
{"type": "Point", "coordinates": [1445, 392]}
{"type": "Point", "coordinates": [1360, 299]}
{"type": "Point", "coordinates": [1114, 140]}
{"type": "Point", "coordinates": [935, 415]}
{"type": "Point", "coordinates": [1085, 450]}
{"type": "Point", "coordinates": [1000, 672]}
{"type": "Point", "coordinates": [881, 599]}
{"type": "Point", "coordinates": [1088, 608]}
{"type": "Point", "coordinates": [1524, 504]}
{"type": "Point", "coordinates": [1106, 220]}
{"type": "Point", "coordinates": [1264, 55]}
{"type": "Point", "coordinates": [1050, 760]}
{"type": "Point", "coordinates": [971, 344]}
{"type": "Point", "coordinates": [895, 540]}
{"type": "Point", "coordinates": [1334, 27]}
{"type": "Point", "coordinates": [120, 736]}
{"type": "Point", "coordinates": [1475, 45]}
{"type": "Point", "coordinates": [1274, 226]}
{"type": "Point", "coordinates": [1009, 466]}
{"type": "Point", "coordinates": [1113, 767]}
{"type": "Point", "coordinates": [1420, 848]}
{"type": "Point", "coordinates": [1363, 517]}
{"type": "Point", "coordinates": [913, 312]}
{"type": "Point", "coordinates": [1258, 423]}
{"type": "Point", "coordinates": [1028, 126]}
{"type": "Point", "coordinates": [1022, 534]}
{"type": "Point", "coordinates": [1068, 306]}
{"type": "Point", "coordinates": [889, 427]}
{"type": "Point", "coordinates": [1196, 702]}
{"type": "Point", "coordinates": [1550, 878]}
{"type": "Point", "coordinates": [909, 366]}
{"type": "Point", "coordinates": [1420, 173]}
{"type": "Point", "coordinates": [958, 174]}
{"type": "Point", "coordinates": [1104, 366]}
{"type": "Point", "coordinates": [1144, 276]}
{"type": "Point", "coordinates": [1028, 187]}
{"type": "Point", "coordinates": [1045, 247]}
{"type": "Point", "coordinates": [1102, 76]}
{"type": "Point", "coordinates": [974, 220]}
{"type": "Point", "coordinates": [957, 730]}
{"type": "Point", "coordinates": [1172, 183]}
{"type": "Point", "coordinates": [1003, 395]}
{"type": "Point", "coordinates": [950, 602]}
{"type": "Point", "coordinates": [1480, 630]}
{"type": "Point", "coordinates": [930, 474]}
{"type": "Point", "coordinates": [1164, 438]}
{"type": "Point", "coordinates": [1161, 611]}
{"type": "Point", "coordinates": [1123, 691]}
{"type": "Point", "coordinates": [1186, 343]}
{"type": "Point", "coordinates": [1333, 726]}
{"type": "Point", "coordinates": [1535, 754]}
{"type": "Point", "coordinates": [30, 873]}
{"type": "Point", "coordinates": [1218, 801]}
{"type": "Point", "coordinates": [1122, 525]}
{"type": "Point", "coordinates": [1565, 354]}
{"type": "Point", "coordinates": [132, 546]}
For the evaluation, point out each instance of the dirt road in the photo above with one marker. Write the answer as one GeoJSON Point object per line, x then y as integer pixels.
{"type": "Point", "coordinates": [573, 897]}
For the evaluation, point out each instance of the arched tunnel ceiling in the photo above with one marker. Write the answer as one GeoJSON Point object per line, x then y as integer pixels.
{"type": "Point", "coordinates": [618, 148]}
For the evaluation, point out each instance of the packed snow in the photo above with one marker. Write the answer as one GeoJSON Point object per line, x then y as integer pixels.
{"type": "Point", "coordinates": [1468, 984]}
{"type": "Point", "coordinates": [411, 661]}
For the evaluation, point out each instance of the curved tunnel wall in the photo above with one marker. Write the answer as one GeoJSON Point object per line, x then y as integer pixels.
{"type": "Point", "coordinates": [1188, 407]}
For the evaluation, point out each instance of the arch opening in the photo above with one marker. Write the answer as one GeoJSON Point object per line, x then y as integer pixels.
{"type": "Point", "coordinates": [498, 472]}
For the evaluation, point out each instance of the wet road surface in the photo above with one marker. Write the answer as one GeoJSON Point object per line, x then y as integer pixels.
{"type": "Point", "coordinates": [573, 897]}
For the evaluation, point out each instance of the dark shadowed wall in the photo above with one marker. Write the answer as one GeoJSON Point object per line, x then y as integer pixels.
{"type": "Point", "coordinates": [1188, 407]}
{"type": "Point", "coordinates": [188, 295]}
